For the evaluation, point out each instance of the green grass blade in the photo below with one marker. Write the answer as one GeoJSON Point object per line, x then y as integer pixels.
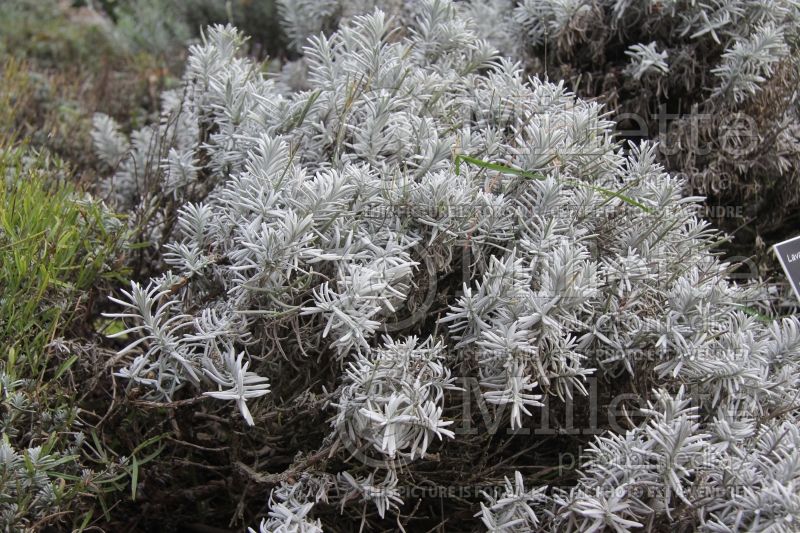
{"type": "Point", "coordinates": [134, 478]}
{"type": "Point", "coordinates": [505, 169]}
{"type": "Point", "coordinates": [498, 167]}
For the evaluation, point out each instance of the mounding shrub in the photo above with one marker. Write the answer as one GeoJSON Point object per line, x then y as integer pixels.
{"type": "Point", "coordinates": [345, 264]}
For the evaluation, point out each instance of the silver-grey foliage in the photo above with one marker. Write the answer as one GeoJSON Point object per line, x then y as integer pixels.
{"type": "Point", "coordinates": [329, 212]}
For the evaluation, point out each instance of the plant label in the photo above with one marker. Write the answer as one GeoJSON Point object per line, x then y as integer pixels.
{"type": "Point", "coordinates": [789, 256]}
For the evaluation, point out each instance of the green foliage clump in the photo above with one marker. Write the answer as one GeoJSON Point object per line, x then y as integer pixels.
{"type": "Point", "coordinates": [57, 250]}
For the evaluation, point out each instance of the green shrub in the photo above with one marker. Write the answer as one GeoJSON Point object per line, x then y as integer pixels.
{"type": "Point", "coordinates": [57, 250]}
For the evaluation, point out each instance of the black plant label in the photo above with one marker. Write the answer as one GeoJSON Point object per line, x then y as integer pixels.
{"type": "Point", "coordinates": [789, 256]}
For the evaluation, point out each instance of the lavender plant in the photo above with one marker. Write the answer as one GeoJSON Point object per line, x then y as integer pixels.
{"type": "Point", "coordinates": [422, 187]}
